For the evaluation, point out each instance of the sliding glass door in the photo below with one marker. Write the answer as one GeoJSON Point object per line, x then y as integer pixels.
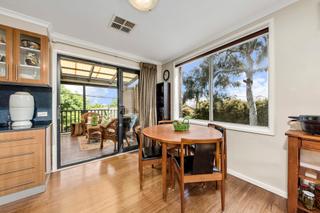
{"type": "Point", "coordinates": [98, 110]}
{"type": "Point", "coordinates": [129, 108]}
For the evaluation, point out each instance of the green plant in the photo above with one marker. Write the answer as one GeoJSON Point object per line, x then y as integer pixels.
{"type": "Point", "coordinates": [94, 120]}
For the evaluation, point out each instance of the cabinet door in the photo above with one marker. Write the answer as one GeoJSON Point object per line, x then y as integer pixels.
{"type": "Point", "coordinates": [30, 58]}
{"type": "Point", "coordinates": [5, 53]}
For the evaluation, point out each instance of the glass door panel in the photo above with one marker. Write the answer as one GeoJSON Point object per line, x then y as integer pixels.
{"type": "Point", "coordinates": [5, 53]}
{"type": "Point", "coordinates": [130, 109]}
{"type": "Point", "coordinates": [30, 57]}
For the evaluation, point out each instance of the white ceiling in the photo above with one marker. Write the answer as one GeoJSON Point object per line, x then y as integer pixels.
{"type": "Point", "coordinates": [172, 29]}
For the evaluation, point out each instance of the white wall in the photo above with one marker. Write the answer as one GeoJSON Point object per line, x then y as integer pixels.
{"type": "Point", "coordinates": [262, 159]}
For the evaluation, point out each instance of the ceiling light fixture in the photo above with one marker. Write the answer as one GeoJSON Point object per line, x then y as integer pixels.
{"type": "Point", "coordinates": [143, 5]}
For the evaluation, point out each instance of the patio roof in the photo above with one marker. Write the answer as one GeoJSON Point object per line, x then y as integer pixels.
{"type": "Point", "coordinates": [82, 71]}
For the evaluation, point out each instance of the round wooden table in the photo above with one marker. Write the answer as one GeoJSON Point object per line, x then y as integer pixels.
{"type": "Point", "coordinates": [165, 134]}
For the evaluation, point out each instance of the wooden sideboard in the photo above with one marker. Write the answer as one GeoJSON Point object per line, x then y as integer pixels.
{"type": "Point", "coordinates": [22, 160]}
{"type": "Point", "coordinates": [298, 140]}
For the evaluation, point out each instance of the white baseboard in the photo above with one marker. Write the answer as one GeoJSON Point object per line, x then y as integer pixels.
{"type": "Point", "coordinates": [22, 194]}
{"type": "Point", "coordinates": [265, 186]}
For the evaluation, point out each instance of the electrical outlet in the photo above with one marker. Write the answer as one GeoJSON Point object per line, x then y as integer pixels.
{"type": "Point", "coordinates": [42, 114]}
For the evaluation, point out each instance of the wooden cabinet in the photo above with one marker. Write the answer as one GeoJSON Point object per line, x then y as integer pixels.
{"type": "Point", "coordinates": [22, 160]}
{"type": "Point", "coordinates": [26, 57]}
{"type": "Point", "coordinates": [298, 140]}
{"type": "Point", "coordinates": [6, 34]}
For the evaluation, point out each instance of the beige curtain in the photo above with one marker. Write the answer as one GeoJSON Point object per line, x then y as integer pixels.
{"type": "Point", "coordinates": [136, 99]}
{"type": "Point", "coordinates": [147, 95]}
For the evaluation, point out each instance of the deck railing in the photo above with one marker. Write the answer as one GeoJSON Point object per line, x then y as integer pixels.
{"type": "Point", "coordinates": [68, 117]}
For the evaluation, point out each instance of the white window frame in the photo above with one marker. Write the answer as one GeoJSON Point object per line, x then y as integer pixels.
{"type": "Point", "coordinates": [233, 126]}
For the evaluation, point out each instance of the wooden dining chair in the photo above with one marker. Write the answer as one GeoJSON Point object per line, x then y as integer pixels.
{"type": "Point", "coordinates": [147, 157]}
{"type": "Point", "coordinates": [165, 122]}
{"type": "Point", "coordinates": [200, 167]}
{"type": "Point", "coordinates": [223, 130]}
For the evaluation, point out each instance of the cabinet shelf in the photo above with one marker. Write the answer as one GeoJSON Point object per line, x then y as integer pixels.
{"type": "Point", "coordinates": [2, 44]}
{"type": "Point", "coordinates": [30, 49]}
{"type": "Point", "coordinates": [29, 66]}
{"type": "Point", "coordinates": [301, 207]}
{"type": "Point", "coordinates": [2, 63]}
{"type": "Point", "coordinates": [303, 170]}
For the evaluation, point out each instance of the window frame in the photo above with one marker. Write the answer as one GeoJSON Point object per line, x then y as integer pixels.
{"type": "Point", "coordinates": [269, 130]}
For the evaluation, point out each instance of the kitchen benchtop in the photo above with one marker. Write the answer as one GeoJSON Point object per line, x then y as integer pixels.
{"type": "Point", "coordinates": [36, 125]}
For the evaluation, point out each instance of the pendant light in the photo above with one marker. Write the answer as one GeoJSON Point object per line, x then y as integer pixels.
{"type": "Point", "coordinates": [143, 5]}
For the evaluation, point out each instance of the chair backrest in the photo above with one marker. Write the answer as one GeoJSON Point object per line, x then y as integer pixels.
{"type": "Point", "coordinates": [204, 155]}
{"type": "Point", "coordinates": [165, 122]}
{"type": "Point", "coordinates": [222, 129]}
{"type": "Point", "coordinates": [137, 131]}
{"type": "Point", "coordinates": [84, 117]}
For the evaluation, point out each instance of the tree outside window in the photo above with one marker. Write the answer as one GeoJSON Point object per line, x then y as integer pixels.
{"type": "Point", "coordinates": [231, 85]}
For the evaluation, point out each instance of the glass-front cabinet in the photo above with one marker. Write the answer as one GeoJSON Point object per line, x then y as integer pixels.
{"type": "Point", "coordinates": [24, 57]}
{"type": "Point", "coordinates": [5, 53]}
{"type": "Point", "coordinates": [30, 57]}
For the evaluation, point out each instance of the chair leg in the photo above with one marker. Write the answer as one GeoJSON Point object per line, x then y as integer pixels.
{"type": "Point", "coordinates": [172, 181]}
{"type": "Point", "coordinates": [222, 188]}
{"type": "Point", "coordinates": [140, 174]}
{"type": "Point", "coordinates": [101, 144]}
{"type": "Point", "coordinates": [182, 196]}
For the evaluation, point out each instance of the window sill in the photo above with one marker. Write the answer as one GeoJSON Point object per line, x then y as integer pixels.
{"type": "Point", "coordinates": [237, 127]}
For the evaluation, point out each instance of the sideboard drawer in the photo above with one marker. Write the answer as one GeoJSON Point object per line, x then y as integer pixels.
{"type": "Point", "coordinates": [20, 138]}
{"type": "Point", "coordinates": [22, 160]}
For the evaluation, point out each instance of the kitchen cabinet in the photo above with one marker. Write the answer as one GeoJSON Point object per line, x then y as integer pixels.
{"type": "Point", "coordinates": [6, 34]}
{"type": "Point", "coordinates": [26, 57]}
{"type": "Point", "coordinates": [22, 160]}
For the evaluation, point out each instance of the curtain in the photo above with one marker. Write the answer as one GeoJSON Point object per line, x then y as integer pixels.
{"type": "Point", "coordinates": [136, 100]}
{"type": "Point", "coordinates": [147, 95]}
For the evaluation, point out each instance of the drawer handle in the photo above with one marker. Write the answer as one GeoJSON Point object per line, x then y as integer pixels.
{"type": "Point", "coordinates": [13, 171]}
{"type": "Point", "coordinates": [18, 155]}
{"type": "Point", "coordinates": [15, 140]}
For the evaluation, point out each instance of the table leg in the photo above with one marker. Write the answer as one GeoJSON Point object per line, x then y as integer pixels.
{"type": "Point", "coordinates": [164, 171]}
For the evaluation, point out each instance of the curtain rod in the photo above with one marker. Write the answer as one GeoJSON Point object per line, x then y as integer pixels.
{"type": "Point", "coordinates": [232, 43]}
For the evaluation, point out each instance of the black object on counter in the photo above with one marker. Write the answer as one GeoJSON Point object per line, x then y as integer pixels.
{"type": "Point", "coordinates": [309, 123]}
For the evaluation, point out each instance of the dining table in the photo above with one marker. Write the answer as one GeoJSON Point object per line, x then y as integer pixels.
{"type": "Point", "coordinates": [167, 136]}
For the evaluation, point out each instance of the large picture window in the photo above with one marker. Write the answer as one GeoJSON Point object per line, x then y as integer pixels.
{"type": "Point", "coordinates": [229, 84]}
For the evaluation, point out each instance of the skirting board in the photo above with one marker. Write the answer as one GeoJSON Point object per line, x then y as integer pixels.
{"type": "Point", "coordinates": [25, 193]}
{"type": "Point", "coordinates": [20, 195]}
{"type": "Point", "coordinates": [267, 187]}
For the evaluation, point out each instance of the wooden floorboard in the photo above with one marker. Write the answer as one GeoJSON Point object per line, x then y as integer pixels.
{"type": "Point", "coordinates": [112, 185]}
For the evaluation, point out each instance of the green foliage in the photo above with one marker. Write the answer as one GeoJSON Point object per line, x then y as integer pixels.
{"type": "Point", "coordinates": [202, 112]}
{"type": "Point", "coordinates": [228, 109]}
{"type": "Point", "coordinates": [69, 100]}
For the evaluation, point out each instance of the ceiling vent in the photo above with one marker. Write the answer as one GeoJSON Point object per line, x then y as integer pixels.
{"type": "Point", "coordinates": [122, 24]}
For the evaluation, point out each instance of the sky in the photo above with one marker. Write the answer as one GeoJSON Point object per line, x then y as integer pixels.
{"type": "Point", "coordinates": [95, 95]}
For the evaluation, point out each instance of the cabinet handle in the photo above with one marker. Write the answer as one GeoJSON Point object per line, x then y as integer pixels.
{"type": "Point", "coordinates": [16, 69]}
{"type": "Point", "coordinates": [15, 140]}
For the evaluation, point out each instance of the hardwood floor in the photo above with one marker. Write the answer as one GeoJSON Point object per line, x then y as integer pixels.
{"type": "Point", "coordinates": [112, 185]}
{"type": "Point", "coordinates": [71, 152]}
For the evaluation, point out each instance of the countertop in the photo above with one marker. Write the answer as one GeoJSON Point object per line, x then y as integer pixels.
{"type": "Point", "coordinates": [36, 125]}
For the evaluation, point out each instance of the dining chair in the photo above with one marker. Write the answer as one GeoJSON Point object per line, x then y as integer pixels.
{"type": "Point", "coordinates": [223, 130]}
{"type": "Point", "coordinates": [165, 122]}
{"type": "Point", "coordinates": [147, 157]}
{"type": "Point", "coordinates": [200, 167]}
